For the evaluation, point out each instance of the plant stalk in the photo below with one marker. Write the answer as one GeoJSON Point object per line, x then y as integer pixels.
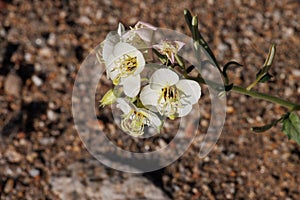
{"type": "Point", "coordinates": [258, 95]}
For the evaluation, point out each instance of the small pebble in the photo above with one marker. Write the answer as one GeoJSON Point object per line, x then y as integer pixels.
{"type": "Point", "coordinates": [47, 141]}
{"type": "Point", "coordinates": [45, 52]}
{"type": "Point", "coordinates": [230, 109]}
{"type": "Point", "coordinates": [36, 80]}
{"type": "Point", "coordinates": [28, 57]}
{"type": "Point", "coordinates": [9, 186]}
{"type": "Point", "coordinates": [85, 20]}
{"type": "Point", "coordinates": [52, 39]}
{"type": "Point", "coordinates": [13, 85]}
{"type": "Point", "coordinates": [34, 172]}
{"type": "Point", "coordinates": [296, 72]}
{"type": "Point", "coordinates": [13, 156]}
{"type": "Point", "coordinates": [51, 115]}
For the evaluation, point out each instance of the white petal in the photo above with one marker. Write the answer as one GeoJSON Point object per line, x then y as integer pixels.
{"type": "Point", "coordinates": [123, 105]}
{"type": "Point", "coordinates": [109, 44]}
{"type": "Point", "coordinates": [158, 47]}
{"type": "Point", "coordinates": [141, 24]}
{"type": "Point", "coordinates": [132, 85]}
{"type": "Point", "coordinates": [112, 74]}
{"type": "Point", "coordinates": [140, 62]}
{"type": "Point", "coordinates": [180, 44]}
{"type": "Point", "coordinates": [191, 89]}
{"type": "Point", "coordinates": [184, 111]}
{"type": "Point", "coordinates": [171, 57]}
{"type": "Point", "coordinates": [123, 48]}
{"type": "Point", "coordinates": [153, 118]}
{"type": "Point", "coordinates": [149, 96]}
{"type": "Point", "coordinates": [163, 77]}
{"type": "Point", "coordinates": [145, 34]}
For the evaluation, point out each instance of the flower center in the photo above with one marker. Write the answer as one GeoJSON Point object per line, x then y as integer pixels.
{"type": "Point", "coordinates": [169, 101]}
{"type": "Point", "coordinates": [169, 48]}
{"type": "Point", "coordinates": [170, 93]}
{"type": "Point", "coordinates": [125, 66]}
{"type": "Point", "coordinates": [129, 64]}
{"type": "Point", "coordinates": [134, 122]}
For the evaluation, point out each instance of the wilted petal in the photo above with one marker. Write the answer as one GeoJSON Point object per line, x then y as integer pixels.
{"type": "Point", "coordinates": [141, 24]}
{"type": "Point", "coordinates": [159, 47]}
{"type": "Point", "coordinates": [191, 89]}
{"type": "Point", "coordinates": [162, 78]}
{"type": "Point", "coordinates": [179, 45]}
{"type": "Point", "coordinates": [132, 85]}
{"type": "Point", "coordinates": [123, 105]}
{"type": "Point", "coordinates": [170, 56]}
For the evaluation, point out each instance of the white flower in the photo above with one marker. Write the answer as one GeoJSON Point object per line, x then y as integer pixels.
{"type": "Point", "coordinates": [139, 36]}
{"type": "Point", "coordinates": [134, 119]}
{"type": "Point", "coordinates": [124, 63]}
{"type": "Point", "coordinates": [169, 48]}
{"type": "Point", "coordinates": [144, 30]}
{"type": "Point", "coordinates": [168, 95]}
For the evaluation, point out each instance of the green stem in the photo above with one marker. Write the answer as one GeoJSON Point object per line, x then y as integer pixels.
{"type": "Point", "coordinates": [291, 106]}
{"type": "Point", "coordinates": [258, 95]}
{"type": "Point", "coordinates": [253, 84]}
{"type": "Point", "coordinates": [193, 25]}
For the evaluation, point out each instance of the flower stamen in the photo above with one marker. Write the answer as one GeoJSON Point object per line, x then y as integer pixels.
{"type": "Point", "coordinates": [169, 101]}
{"type": "Point", "coordinates": [125, 66]}
{"type": "Point", "coordinates": [134, 122]}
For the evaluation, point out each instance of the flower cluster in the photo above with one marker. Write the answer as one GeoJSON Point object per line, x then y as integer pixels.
{"type": "Point", "coordinates": [145, 101]}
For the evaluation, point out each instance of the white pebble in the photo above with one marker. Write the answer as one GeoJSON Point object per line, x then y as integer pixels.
{"type": "Point", "coordinates": [296, 72]}
{"type": "Point", "coordinates": [36, 80]}
{"type": "Point", "coordinates": [34, 172]}
{"type": "Point", "coordinates": [51, 115]}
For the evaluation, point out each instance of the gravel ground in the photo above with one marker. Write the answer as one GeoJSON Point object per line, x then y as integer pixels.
{"type": "Point", "coordinates": [42, 44]}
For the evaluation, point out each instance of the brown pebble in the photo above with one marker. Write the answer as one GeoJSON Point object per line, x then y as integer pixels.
{"type": "Point", "coordinates": [230, 109]}
{"type": "Point", "coordinates": [13, 156]}
{"type": "Point", "coordinates": [12, 85]}
{"type": "Point", "coordinates": [9, 186]}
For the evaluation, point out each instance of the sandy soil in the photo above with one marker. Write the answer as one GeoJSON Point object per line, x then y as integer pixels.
{"type": "Point", "coordinates": [42, 44]}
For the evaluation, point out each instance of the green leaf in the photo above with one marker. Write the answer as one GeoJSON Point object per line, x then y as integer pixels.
{"type": "Point", "coordinates": [188, 18]}
{"type": "Point", "coordinates": [192, 22]}
{"type": "Point", "coordinates": [265, 78]}
{"type": "Point", "coordinates": [263, 75]}
{"type": "Point", "coordinates": [268, 126]}
{"type": "Point", "coordinates": [224, 72]}
{"type": "Point", "coordinates": [291, 127]}
{"type": "Point", "coordinates": [262, 128]}
{"type": "Point", "coordinates": [271, 56]}
{"type": "Point", "coordinates": [195, 32]}
{"type": "Point", "coordinates": [229, 64]}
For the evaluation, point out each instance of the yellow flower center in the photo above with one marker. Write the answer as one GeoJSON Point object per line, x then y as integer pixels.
{"type": "Point", "coordinates": [169, 48]}
{"type": "Point", "coordinates": [125, 66]}
{"type": "Point", "coordinates": [134, 122]}
{"type": "Point", "coordinates": [169, 101]}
